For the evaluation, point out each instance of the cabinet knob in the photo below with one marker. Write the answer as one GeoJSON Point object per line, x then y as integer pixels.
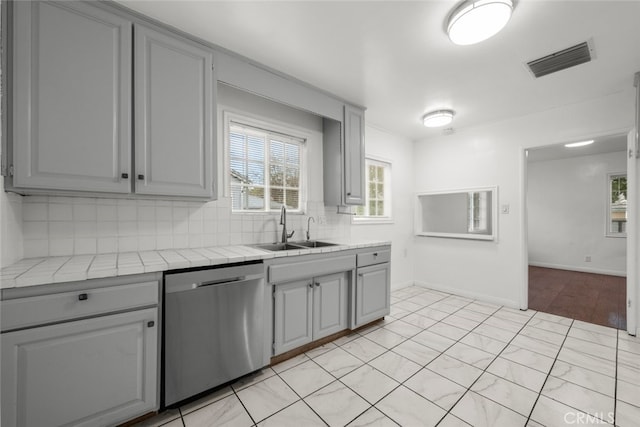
{"type": "Point", "coordinates": [375, 254]}
{"type": "Point", "coordinates": [151, 324]}
{"type": "Point", "coordinates": [349, 193]}
{"type": "Point", "coordinates": [311, 285]}
{"type": "Point", "coordinates": [125, 176]}
{"type": "Point", "coordinates": [140, 176]}
{"type": "Point", "coordinates": [83, 297]}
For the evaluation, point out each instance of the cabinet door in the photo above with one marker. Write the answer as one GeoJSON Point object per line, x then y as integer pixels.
{"type": "Point", "coordinates": [354, 156]}
{"type": "Point", "coordinates": [174, 116]}
{"type": "Point", "coordinates": [100, 371]}
{"type": "Point", "coordinates": [293, 315]}
{"type": "Point", "coordinates": [71, 97]}
{"type": "Point", "coordinates": [330, 304]}
{"type": "Point", "coordinates": [372, 293]}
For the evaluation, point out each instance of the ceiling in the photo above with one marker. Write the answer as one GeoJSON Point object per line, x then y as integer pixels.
{"type": "Point", "coordinates": [601, 145]}
{"type": "Point", "coordinates": [395, 58]}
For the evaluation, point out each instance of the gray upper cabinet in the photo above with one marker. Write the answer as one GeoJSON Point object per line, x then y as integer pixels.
{"type": "Point", "coordinates": [354, 155]}
{"type": "Point", "coordinates": [343, 156]}
{"type": "Point", "coordinates": [71, 97]}
{"type": "Point", "coordinates": [173, 116]}
{"type": "Point", "coordinates": [73, 101]}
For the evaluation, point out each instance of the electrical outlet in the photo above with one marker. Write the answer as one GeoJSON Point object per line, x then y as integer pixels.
{"type": "Point", "coordinates": [322, 220]}
{"type": "Point", "coordinates": [587, 258]}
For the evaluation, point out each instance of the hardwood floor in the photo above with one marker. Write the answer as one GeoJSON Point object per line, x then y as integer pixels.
{"type": "Point", "coordinates": [593, 298]}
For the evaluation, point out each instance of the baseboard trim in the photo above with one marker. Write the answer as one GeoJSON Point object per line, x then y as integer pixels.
{"type": "Point", "coordinates": [401, 285]}
{"type": "Point", "coordinates": [579, 269]}
{"type": "Point", "coordinates": [474, 295]}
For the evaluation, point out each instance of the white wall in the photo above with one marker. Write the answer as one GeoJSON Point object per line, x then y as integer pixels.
{"type": "Point", "coordinates": [398, 151]}
{"type": "Point", "coordinates": [494, 155]}
{"type": "Point", "coordinates": [567, 201]}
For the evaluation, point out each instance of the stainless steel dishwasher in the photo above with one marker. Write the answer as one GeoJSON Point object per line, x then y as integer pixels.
{"type": "Point", "coordinates": [213, 328]}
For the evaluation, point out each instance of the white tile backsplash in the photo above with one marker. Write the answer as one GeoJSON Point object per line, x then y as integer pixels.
{"type": "Point", "coordinates": [63, 226]}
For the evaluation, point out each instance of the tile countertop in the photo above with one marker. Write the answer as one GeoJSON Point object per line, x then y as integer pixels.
{"type": "Point", "coordinates": [41, 271]}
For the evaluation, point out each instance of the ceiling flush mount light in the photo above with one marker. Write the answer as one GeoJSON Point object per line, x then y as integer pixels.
{"type": "Point", "coordinates": [437, 118]}
{"type": "Point", "coordinates": [579, 144]}
{"type": "Point", "coordinates": [475, 21]}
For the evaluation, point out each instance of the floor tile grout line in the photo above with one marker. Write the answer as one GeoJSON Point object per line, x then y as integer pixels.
{"type": "Point", "coordinates": [485, 369]}
{"type": "Point", "coordinates": [243, 405]}
{"type": "Point", "coordinates": [548, 375]}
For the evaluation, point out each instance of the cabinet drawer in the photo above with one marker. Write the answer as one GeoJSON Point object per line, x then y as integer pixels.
{"type": "Point", "coordinates": [374, 257]}
{"type": "Point", "coordinates": [32, 311]}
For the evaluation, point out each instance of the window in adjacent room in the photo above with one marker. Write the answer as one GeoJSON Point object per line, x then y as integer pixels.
{"type": "Point", "coordinates": [265, 169]}
{"type": "Point", "coordinates": [617, 205]}
{"type": "Point", "coordinates": [377, 207]}
{"type": "Point", "coordinates": [478, 208]}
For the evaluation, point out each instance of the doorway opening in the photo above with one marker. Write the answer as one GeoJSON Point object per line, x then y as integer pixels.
{"type": "Point", "coordinates": [576, 219]}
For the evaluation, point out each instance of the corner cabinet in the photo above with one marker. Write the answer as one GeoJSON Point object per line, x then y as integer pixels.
{"type": "Point", "coordinates": [174, 119]}
{"type": "Point", "coordinates": [71, 97]}
{"type": "Point", "coordinates": [74, 111]}
{"type": "Point", "coordinates": [307, 310]}
{"type": "Point", "coordinates": [343, 156]}
{"type": "Point", "coordinates": [76, 358]}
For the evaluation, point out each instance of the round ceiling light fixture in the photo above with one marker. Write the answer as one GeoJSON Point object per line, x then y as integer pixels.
{"type": "Point", "coordinates": [475, 21]}
{"type": "Point", "coordinates": [438, 118]}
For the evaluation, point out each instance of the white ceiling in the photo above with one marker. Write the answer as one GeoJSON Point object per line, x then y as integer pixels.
{"type": "Point", "coordinates": [601, 145]}
{"type": "Point", "coordinates": [394, 57]}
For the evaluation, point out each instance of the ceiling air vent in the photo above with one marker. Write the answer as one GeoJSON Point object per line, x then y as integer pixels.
{"type": "Point", "coordinates": [561, 60]}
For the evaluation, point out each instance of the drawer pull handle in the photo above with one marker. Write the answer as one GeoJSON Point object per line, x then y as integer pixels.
{"type": "Point", "coordinates": [151, 324]}
{"type": "Point", "coordinates": [317, 284]}
{"type": "Point", "coordinates": [140, 176]}
{"type": "Point", "coordinates": [375, 254]}
{"type": "Point", "coordinates": [124, 175]}
{"type": "Point", "coordinates": [83, 297]}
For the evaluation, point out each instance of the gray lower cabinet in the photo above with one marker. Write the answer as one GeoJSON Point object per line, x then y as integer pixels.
{"type": "Point", "coordinates": [310, 309]}
{"type": "Point", "coordinates": [99, 371]}
{"type": "Point", "coordinates": [373, 285]}
{"type": "Point", "coordinates": [372, 293]}
{"type": "Point", "coordinates": [83, 358]}
{"type": "Point", "coordinates": [71, 97]}
{"type": "Point", "coordinates": [173, 116]}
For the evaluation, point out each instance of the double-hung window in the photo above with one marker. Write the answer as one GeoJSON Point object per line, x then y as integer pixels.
{"type": "Point", "coordinates": [265, 169]}
{"type": "Point", "coordinates": [617, 205]}
{"type": "Point", "coordinates": [377, 207]}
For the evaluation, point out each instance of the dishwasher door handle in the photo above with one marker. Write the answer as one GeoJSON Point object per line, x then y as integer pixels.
{"type": "Point", "coordinates": [220, 282]}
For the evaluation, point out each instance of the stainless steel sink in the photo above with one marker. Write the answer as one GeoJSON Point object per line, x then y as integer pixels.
{"type": "Point", "coordinates": [275, 247]}
{"type": "Point", "coordinates": [278, 247]}
{"type": "Point", "coordinates": [314, 244]}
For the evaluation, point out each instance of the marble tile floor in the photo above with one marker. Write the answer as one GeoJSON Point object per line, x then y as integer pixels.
{"type": "Point", "coordinates": [445, 360]}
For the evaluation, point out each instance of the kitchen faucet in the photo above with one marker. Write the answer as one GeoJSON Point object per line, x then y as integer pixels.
{"type": "Point", "coordinates": [308, 223]}
{"type": "Point", "coordinates": [283, 223]}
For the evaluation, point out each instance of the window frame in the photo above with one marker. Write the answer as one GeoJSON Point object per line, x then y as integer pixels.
{"type": "Point", "coordinates": [270, 127]}
{"type": "Point", "coordinates": [388, 197]}
{"type": "Point", "coordinates": [609, 203]}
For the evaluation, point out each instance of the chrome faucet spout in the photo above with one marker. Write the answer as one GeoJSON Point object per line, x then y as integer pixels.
{"type": "Point", "coordinates": [308, 224]}
{"type": "Point", "coordinates": [283, 222]}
